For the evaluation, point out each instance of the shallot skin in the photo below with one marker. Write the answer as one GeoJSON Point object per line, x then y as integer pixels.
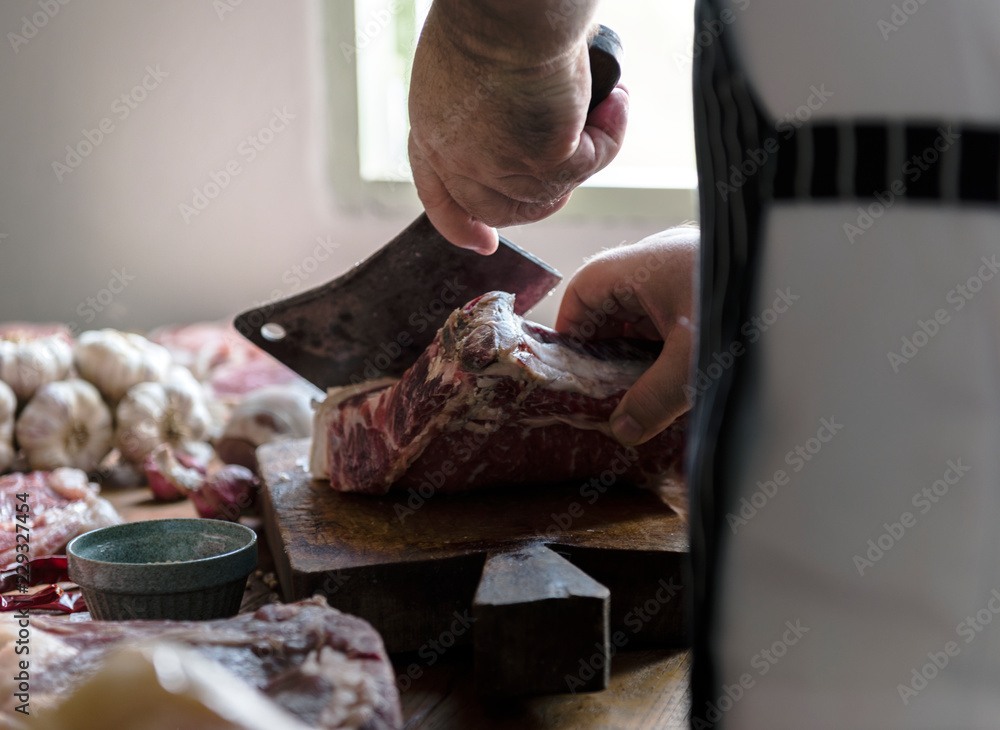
{"type": "Point", "coordinates": [269, 414]}
{"type": "Point", "coordinates": [226, 493]}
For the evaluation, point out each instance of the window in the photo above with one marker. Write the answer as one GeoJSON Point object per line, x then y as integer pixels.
{"type": "Point", "coordinates": [653, 177]}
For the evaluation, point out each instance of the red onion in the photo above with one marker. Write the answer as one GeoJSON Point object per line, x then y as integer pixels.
{"type": "Point", "coordinates": [226, 493]}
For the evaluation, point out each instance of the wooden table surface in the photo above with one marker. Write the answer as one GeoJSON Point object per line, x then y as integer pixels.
{"type": "Point", "coordinates": [648, 692]}
{"type": "Point", "coordinates": [648, 687]}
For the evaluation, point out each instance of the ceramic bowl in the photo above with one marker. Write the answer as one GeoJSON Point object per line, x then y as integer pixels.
{"type": "Point", "coordinates": [163, 569]}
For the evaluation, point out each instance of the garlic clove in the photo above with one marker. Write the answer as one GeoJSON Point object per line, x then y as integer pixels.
{"type": "Point", "coordinates": [269, 414]}
{"type": "Point", "coordinates": [115, 361]}
{"type": "Point", "coordinates": [195, 455]}
{"type": "Point", "coordinates": [168, 478]}
{"type": "Point", "coordinates": [66, 423]}
{"type": "Point", "coordinates": [277, 411]}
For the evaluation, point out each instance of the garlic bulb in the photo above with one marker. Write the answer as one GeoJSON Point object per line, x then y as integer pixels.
{"type": "Point", "coordinates": [115, 361]}
{"type": "Point", "coordinates": [66, 423]}
{"type": "Point", "coordinates": [28, 361]}
{"type": "Point", "coordinates": [8, 404]}
{"type": "Point", "coordinates": [173, 412]}
{"type": "Point", "coordinates": [268, 414]}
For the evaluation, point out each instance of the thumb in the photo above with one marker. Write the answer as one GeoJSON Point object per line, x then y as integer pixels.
{"type": "Point", "coordinates": [657, 398]}
{"type": "Point", "coordinates": [462, 229]}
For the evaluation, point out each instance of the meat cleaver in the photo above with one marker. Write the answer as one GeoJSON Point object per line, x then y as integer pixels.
{"type": "Point", "coordinates": [376, 319]}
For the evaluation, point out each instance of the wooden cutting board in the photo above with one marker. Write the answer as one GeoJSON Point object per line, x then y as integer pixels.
{"type": "Point", "coordinates": [545, 583]}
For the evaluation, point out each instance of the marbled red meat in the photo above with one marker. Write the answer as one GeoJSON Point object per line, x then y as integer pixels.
{"type": "Point", "coordinates": [494, 400]}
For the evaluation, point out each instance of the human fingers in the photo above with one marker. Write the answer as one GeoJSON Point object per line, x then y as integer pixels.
{"type": "Point", "coordinates": [451, 220]}
{"type": "Point", "coordinates": [657, 398]}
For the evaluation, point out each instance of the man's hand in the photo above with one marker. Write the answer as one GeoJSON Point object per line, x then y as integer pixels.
{"type": "Point", "coordinates": [499, 130]}
{"type": "Point", "coordinates": [643, 290]}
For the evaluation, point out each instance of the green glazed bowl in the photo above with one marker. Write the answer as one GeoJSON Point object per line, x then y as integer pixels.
{"type": "Point", "coordinates": [184, 569]}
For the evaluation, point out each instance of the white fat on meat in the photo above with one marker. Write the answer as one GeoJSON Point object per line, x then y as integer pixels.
{"type": "Point", "coordinates": [559, 367]}
{"type": "Point", "coordinates": [72, 484]}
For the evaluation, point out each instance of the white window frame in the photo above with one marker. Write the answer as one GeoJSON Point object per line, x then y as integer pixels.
{"type": "Point", "coordinates": [666, 206]}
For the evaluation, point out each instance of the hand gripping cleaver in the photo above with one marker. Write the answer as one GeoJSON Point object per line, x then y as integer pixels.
{"type": "Point", "coordinates": [376, 319]}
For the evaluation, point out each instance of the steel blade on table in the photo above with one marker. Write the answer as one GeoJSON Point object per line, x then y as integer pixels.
{"type": "Point", "coordinates": [375, 320]}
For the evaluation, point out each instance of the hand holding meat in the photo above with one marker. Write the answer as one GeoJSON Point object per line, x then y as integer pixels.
{"type": "Point", "coordinates": [644, 290]}
{"type": "Point", "coordinates": [494, 400]}
{"type": "Point", "coordinates": [500, 133]}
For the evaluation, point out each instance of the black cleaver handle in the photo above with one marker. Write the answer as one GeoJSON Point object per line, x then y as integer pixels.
{"type": "Point", "coordinates": [605, 64]}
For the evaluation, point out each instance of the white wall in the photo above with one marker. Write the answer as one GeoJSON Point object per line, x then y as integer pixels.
{"type": "Point", "coordinates": [119, 209]}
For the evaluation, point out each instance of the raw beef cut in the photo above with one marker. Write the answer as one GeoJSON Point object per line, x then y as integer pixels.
{"type": "Point", "coordinates": [493, 400]}
{"type": "Point", "coordinates": [61, 505]}
{"type": "Point", "coordinates": [325, 668]}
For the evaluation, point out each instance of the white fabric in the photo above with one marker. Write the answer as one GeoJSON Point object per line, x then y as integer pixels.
{"type": "Point", "coordinates": [941, 62]}
{"type": "Point", "coordinates": [827, 357]}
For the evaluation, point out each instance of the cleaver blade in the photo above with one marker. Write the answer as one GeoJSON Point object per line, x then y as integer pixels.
{"type": "Point", "coordinates": [376, 320]}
